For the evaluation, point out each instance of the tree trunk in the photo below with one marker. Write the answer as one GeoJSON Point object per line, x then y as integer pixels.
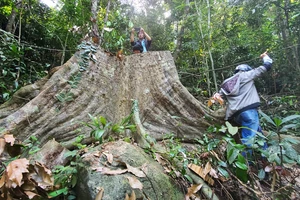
{"type": "Point", "coordinates": [181, 32]}
{"type": "Point", "coordinates": [56, 106]}
{"type": "Point", "coordinates": [95, 28]}
{"type": "Point", "coordinates": [10, 27]}
{"type": "Point", "coordinates": [105, 21]}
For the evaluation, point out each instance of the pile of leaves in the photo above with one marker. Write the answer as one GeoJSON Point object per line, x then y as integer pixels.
{"type": "Point", "coordinates": [21, 179]}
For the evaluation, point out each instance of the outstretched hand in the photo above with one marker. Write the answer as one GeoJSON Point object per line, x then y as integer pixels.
{"type": "Point", "coordinates": [263, 54]}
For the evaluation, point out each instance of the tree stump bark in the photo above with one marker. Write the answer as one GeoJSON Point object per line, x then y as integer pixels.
{"type": "Point", "coordinates": [93, 82]}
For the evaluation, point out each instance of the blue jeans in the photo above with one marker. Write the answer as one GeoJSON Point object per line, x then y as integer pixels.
{"type": "Point", "coordinates": [249, 118]}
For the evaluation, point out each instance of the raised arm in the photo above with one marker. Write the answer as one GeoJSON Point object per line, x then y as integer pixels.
{"type": "Point", "coordinates": [132, 35]}
{"type": "Point", "coordinates": [146, 35]}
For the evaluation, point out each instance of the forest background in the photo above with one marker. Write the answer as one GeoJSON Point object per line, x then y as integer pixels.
{"type": "Point", "coordinates": [207, 39]}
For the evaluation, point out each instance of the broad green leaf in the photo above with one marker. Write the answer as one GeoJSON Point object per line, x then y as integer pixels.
{"type": "Point", "coordinates": [232, 155]}
{"type": "Point", "coordinates": [241, 165]}
{"type": "Point", "coordinates": [223, 172]}
{"type": "Point", "coordinates": [73, 181]}
{"type": "Point", "coordinates": [261, 142]}
{"type": "Point", "coordinates": [289, 118]}
{"type": "Point", "coordinates": [99, 133]}
{"type": "Point", "coordinates": [239, 146]}
{"type": "Point", "coordinates": [242, 174]}
{"type": "Point", "coordinates": [266, 117]}
{"type": "Point", "coordinates": [188, 178]}
{"type": "Point", "coordinates": [231, 129]}
{"type": "Point", "coordinates": [277, 121]}
{"type": "Point", "coordinates": [70, 154]}
{"type": "Point", "coordinates": [241, 159]}
{"type": "Point", "coordinates": [222, 163]}
{"type": "Point", "coordinates": [228, 138]}
{"type": "Point", "coordinates": [274, 157]}
{"type": "Point", "coordinates": [286, 127]}
{"type": "Point", "coordinates": [288, 160]}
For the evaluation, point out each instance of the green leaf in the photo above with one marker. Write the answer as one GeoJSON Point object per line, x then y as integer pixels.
{"type": "Point", "coordinates": [289, 118]}
{"type": "Point", "coordinates": [261, 142]}
{"type": "Point", "coordinates": [274, 157]}
{"type": "Point", "coordinates": [241, 159]}
{"type": "Point", "coordinates": [188, 178]}
{"type": "Point", "coordinates": [71, 197]}
{"type": "Point", "coordinates": [231, 129]}
{"type": "Point", "coordinates": [58, 192]}
{"type": "Point", "coordinates": [261, 174]}
{"type": "Point", "coordinates": [277, 121]}
{"type": "Point", "coordinates": [102, 120]}
{"type": "Point", "coordinates": [223, 172]}
{"type": "Point", "coordinates": [232, 155]}
{"type": "Point", "coordinates": [266, 117]}
{"type": "Point", "coordinates": [239, 146]}
{"type": "Point", "coordinates": [242, 174]}
{"type": "Point", "coordinates": [286, 127]}
{"type": "Point", "coordinates": [70, 154]}
{"type": "Point", "coordinates": [241, 165]}
{"type": "Point", "coordinates": [73, 181]}
{"type": "Point", "coordinates": [99, 133]}
{"type": "Point", "coordinates": [222, 163]}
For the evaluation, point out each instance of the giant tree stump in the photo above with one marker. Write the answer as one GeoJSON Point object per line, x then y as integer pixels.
{"type": "Point", "coordinates": [93, 82]}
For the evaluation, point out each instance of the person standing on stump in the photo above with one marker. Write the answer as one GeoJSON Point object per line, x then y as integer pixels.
{"type": "Point", "coordinates": [142, 44]}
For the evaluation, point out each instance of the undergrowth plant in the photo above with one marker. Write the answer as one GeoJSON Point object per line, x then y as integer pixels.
{"type": "Point", "coordinates": [100, 127]}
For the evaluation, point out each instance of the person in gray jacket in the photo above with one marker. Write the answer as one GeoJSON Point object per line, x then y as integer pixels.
{"type": "Point", "coordinates": [242, 98]}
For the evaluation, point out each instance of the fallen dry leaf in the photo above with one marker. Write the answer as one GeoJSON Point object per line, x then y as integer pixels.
{"type": "Point", "coordinates": [135, 183]}
{"type": "Point", "coordinates": [160, 159]}
{"type": "Point", "coordinates": [109, 157]}
{"type": "Point", "coordinates": [113, 172]}
{"type": "Point", "coordinates": [98, 169]}
{"type": "Point", "coordinates": [193, 190]}
{"type": "Point", "coordinates": [200, 171]}
{"type": "Point", "coordinates": [15, 170]}
{"type": "Point", "coordinates": [207, 169]}
{"type": "Point", "coordinates": [213, 173]}
{"type": "Point", "coordinates": [46, 179]}
{"type": "Point", "coordinates": [97, 154]}
{"type": "Point", "coordinates": [9, 139]}
{"type": "Point", "coordinates": [137, 172]}
{"type": "Point", "coordinates": [30, 195]}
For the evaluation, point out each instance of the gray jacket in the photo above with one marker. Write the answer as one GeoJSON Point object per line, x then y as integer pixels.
{"type": "Point", "coordinates": [240, 91]}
